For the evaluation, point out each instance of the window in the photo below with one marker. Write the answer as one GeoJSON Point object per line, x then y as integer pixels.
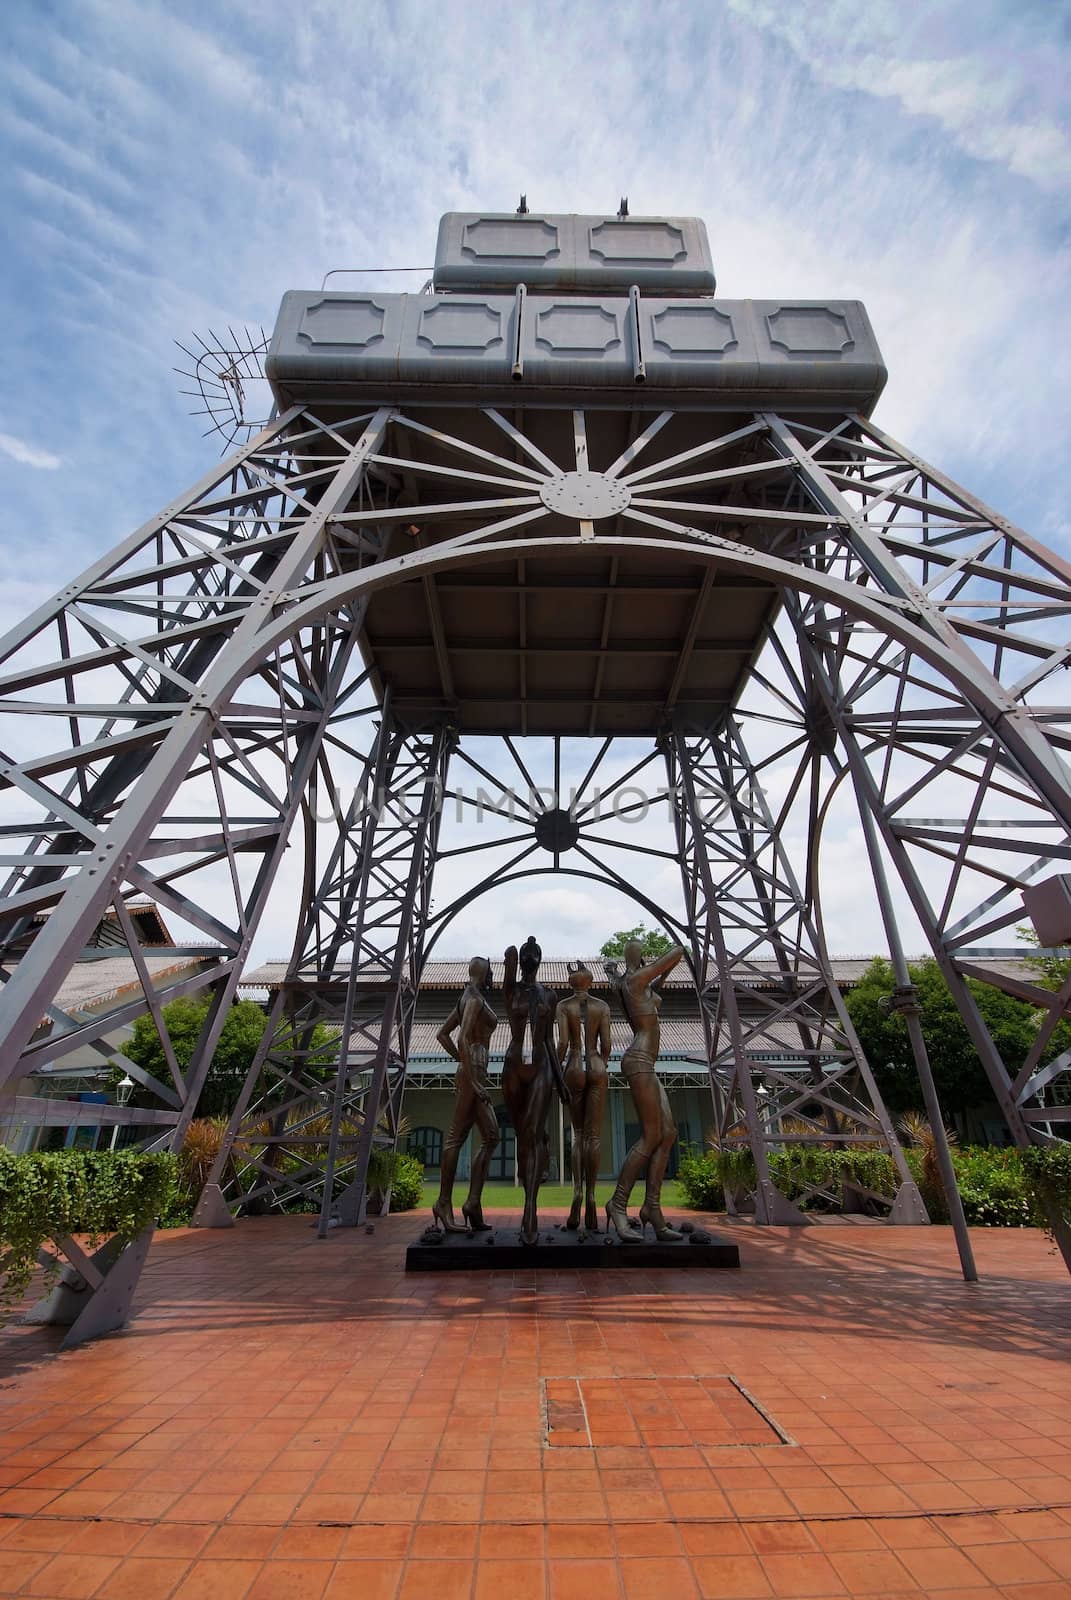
{"type": "Point", "coordinates": [427, 1145]}
{"type": "Point", "coordinates": [503, 1168]}
{"type": "Point", "coordinates": [148, 926]}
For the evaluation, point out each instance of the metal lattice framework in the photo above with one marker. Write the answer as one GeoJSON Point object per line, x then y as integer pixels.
{"type": "Point", "coordinates": [140, 766]}
{"type": "Point", "coordinates": [326, 1086]}
{"type": "Point", "coordinates": [245, 654]}
{"type": "Point", "coordinates": [742, 902]}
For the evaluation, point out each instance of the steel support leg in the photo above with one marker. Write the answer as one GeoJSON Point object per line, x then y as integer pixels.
{"type": "Point", "coordinates": [909, 1010]}
{"type": "Point", "coordinates": [874, 807]}
{"type": "Point", "coordinates": [754, 884]}
{"type": "Point", "coordinates": [403, 985]}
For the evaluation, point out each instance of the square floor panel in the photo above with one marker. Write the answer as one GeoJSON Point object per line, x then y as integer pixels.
{"type": "Point", "coordinates": [654, 1413]}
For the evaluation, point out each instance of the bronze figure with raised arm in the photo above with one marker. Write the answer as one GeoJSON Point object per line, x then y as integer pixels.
{"type": "Point", "coordinates": [584, 1050]}
{"type": "Point", "coordinates": [641, 1001]}
{"type": "Point", "coordinates": [474, 1022]}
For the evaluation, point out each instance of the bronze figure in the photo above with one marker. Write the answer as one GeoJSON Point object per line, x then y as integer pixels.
{"type": "Point", "coordinates": [475, 1022]}
{"type": "Point", "coordinates": [650, 1153]}
{"type": "Point", "coordinates": [584, 1050]}
{"type": "Point", "coordinates": [527, 1086]}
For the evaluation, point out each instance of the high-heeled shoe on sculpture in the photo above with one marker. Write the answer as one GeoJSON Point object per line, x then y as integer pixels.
{"type": "Point", "coordinates": [617, 1221]}
{"type": "Point", "coordinates": [662, 1230]}
{"type": "Point", "coordinates": [472, 1211]}
{"type": "Point", "coordinates": [443, 1212]}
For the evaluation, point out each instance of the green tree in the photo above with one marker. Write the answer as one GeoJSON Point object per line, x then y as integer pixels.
{"type": "Point", "coordinates": [655, 943]}
{"type": "Point", "coordinates": [238, 1040]}
{"type": "Point", "coordinates": [958, 1073]}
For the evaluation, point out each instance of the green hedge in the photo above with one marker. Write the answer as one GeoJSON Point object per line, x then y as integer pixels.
{"type": "Point", "coordinates": [1048, 1169]}
{"type": "Point", "coordinates": [799, 1166]}
{"type": "Point", "coordinates": [403, 1171]}
{"type": "Point", "coordinates": [407, 1184]}
{"type": "Point", "coordinates": [1000, 1187]}
{"type": "Point", "coordinates": [97, 1193]}
{"type": "Point", "coordinates": [995, 1187]}
{"type": "Point", "coordinates": [700, 1178]}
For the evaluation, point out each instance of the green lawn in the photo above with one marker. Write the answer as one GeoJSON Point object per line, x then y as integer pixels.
{"type": "Point", "coordinates": [504, 1197]}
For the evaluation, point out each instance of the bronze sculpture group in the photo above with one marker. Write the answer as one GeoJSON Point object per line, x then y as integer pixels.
{"type": "Point", "coordinates": [574, 1064]}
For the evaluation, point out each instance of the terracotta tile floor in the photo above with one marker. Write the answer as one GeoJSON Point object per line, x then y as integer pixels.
{"type": "Point", "coordinates": [295, 1418]}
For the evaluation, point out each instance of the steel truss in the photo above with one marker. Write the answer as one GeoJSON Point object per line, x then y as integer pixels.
{"type": "Point", "coordinates": [170, 713]}
{"type": "Point", "coordinates": [326, 1087]}
{"type": "Point", "coordinates": [152, 768]}
{"type": "Point", "coordinates": [743, 901]}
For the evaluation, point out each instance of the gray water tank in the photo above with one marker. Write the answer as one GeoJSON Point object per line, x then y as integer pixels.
{"type": "Point", "coordinates": [492, 251]}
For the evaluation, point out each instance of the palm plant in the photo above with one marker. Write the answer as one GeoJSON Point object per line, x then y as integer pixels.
{"type": "Point", "coordinates": [918, 1135]}
{"type": "Point", "coordinates": [199, 1151]}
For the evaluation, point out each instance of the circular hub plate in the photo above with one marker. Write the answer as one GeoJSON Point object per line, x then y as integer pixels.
{"type": "Point", "coordinates": [585, 495]}
{"type": "Point", "coordinates": [556, 830]}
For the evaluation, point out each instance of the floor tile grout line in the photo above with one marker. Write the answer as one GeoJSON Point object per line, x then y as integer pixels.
{"type": "Point", "coordinates": [746, 1520]}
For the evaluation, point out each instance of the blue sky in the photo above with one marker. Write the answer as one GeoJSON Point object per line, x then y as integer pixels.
{"type": "Point", "coordinates": [169, 168]}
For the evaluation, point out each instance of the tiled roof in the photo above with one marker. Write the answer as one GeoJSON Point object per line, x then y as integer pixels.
{"type": "Point", "coordinates": [680, 1037]}
{"type": "Point", "coordinates": [94, 983]}
{"type": "Point", "coordinates": [554, 971]}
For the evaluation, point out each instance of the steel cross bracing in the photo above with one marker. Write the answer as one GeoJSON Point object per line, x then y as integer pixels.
{"type": "Point", "coordinates": [326, 1088]}
{"type": "Point", "coordinates": [955, 791]}
{"type": "Point", "coordinates": [167, 714]}
{"type": "Point", "coordinates": [140, 764]}
{"type": "Point", "coordinates": [742, 904]}
{"type": "Point", "coordinates": [967, 779]}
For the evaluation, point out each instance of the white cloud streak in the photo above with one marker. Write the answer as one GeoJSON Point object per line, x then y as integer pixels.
{"type": "Point", "coordinates": [28, 455]}
{"type": "Point", "coordinates": [990, 101]}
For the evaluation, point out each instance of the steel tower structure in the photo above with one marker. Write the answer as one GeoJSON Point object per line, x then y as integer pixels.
{"type": "Point", "coordinates": [565, 494]}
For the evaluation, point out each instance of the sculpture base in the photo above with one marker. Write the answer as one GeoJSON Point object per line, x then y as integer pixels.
{"type": "Point", "coordinates": [559, 1251]}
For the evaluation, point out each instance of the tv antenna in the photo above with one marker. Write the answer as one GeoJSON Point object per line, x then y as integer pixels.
{"type": "Point", "coordinates": [229, 374]}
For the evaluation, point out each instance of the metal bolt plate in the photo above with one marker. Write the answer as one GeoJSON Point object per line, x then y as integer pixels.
{"type": "Point", "coordinates": [556, 830]}
{"type": "Point", "coordinates": [585, 495]}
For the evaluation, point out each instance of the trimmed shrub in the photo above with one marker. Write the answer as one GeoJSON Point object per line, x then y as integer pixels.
{"type": "Point", "coordinates": [798, 1169]}
{"type": "Point", "coordinates": [699, 1178]}
{"type": "Point", "coordinates": [407, 1186]}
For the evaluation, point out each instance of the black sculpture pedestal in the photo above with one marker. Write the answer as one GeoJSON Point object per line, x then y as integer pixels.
{"type": "Point", "coordinates": [560, 1251]}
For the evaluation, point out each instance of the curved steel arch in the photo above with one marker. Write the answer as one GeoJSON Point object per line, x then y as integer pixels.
{"type": "Point", "coordinates": [442, 919]}
{"type": "Point", "coordinates": [891, 613]}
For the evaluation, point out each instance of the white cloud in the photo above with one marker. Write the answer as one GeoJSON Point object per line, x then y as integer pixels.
{"type": "Point", "coordinates": [959, 93]}
{"type": "Point", "coordinates": [28, 455]}
{"type": "Point", "coordinates": [987, 100]}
